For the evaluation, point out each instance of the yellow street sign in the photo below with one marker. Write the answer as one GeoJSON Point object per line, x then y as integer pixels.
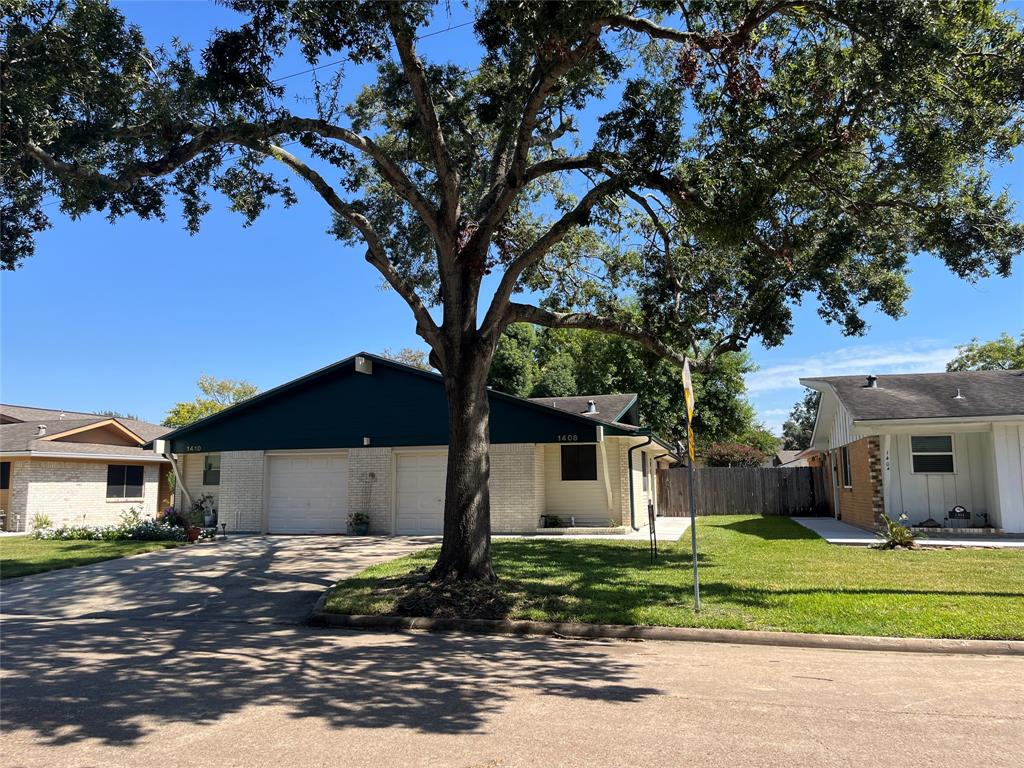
{"type": "Point", "coordinates": [689, 397]}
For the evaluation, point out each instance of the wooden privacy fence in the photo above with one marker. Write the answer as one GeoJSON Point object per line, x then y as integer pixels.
{"type": "Point", "coordinates": [779, 491]}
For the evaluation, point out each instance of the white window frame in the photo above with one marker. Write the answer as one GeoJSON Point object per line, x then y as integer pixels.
{"type": "Point", "coordinates": [207, 457]}
{"type": "Point", "coordinates": [951, 453]}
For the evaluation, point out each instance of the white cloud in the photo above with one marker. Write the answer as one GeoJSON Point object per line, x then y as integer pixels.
{"type": "Point", "coordinates": [911, 357]}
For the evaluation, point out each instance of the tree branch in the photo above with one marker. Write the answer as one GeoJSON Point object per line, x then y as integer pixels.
{"type": "Point", "coordinates": [126, 180]}
{"type": "Point", "coordinates": [493, 320]}
{"type": "Point", "coordinates": [376, 254]}
{"type": "Point", "coordinates": [447, 174]}
{"type": "Point", "coordinates": [526, 313]}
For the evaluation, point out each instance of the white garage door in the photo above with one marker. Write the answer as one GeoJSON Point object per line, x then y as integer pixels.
{"type": "Point", "coordinates": [308, 494]}
{"type": "Point", "coordinates": [420, 493]}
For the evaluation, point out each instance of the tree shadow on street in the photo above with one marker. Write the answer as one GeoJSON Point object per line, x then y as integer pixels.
{"type": "Point", "coordinates": [118, 682]}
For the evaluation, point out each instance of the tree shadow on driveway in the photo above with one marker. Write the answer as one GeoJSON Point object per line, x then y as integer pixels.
{"type": "Point", "coordinates": [118, 682]}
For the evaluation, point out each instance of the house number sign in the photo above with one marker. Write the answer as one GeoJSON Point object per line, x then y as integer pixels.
{"type": "Point", "coordinates": [568, 438]}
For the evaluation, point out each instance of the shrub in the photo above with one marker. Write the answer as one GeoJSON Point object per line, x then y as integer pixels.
{"type": "Point", "coordinates": [358, 518]}
{"type": "Point", "coordinates": [39, 520]}
{"type": "Point", "coordinates": [896, 533]}
{"type": "Point", "coordinates": [146, 530]}
{"type": "Point", "coordinates": [131, 517]}
{"type": "Point", "coordinates": [733, 455]}
{"type": "Point", "coordinates": [172, 516]}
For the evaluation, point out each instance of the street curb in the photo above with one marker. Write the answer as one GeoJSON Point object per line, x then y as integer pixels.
{"type": "Point", "coordinates": [572, 630]}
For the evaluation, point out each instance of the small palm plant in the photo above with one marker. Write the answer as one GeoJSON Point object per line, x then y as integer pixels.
{"type": "Point", "coordinates": [896, 534]}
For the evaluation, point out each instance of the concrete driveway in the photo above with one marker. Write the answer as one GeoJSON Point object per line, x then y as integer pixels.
{"type": "Point", "coordinates": [246, 578]}
{"type": "Point", "coordinates": [199, 658]}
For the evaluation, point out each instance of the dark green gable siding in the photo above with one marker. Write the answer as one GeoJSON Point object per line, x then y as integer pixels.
{"type": "Point", "coordinates": [394, 406]}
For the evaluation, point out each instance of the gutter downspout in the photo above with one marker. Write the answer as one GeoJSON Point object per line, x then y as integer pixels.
{"type": "Point", "coordinates": [632, 500]}
{"type": "Point", "coordinates": [161, 447]}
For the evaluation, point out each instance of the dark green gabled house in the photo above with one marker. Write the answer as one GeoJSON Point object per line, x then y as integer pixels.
{"type": "Point", "coordinates": [368, 434]}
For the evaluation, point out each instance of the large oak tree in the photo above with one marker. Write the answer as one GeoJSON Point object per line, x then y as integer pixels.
{"type": "Point", "coordinates": [748, 154]}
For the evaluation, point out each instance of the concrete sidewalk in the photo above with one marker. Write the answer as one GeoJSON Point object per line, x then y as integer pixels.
{"type": "Point", "coordinates": [667, 528]}
{"type": "Point", "coordinates": [837, 532]}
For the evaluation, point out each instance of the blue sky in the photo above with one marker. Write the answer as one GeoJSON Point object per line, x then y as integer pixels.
{"type": "Point", "coordinates": [128, 316]}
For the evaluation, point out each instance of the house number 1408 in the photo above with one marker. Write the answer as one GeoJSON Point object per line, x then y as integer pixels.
{"type": "Point", "coordinates": [568, 438]}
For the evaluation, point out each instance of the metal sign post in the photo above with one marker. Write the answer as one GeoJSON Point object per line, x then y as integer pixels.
{"type": "Point", "coordinates": [688, 396]}
{"type": "Point", "coordinates": [692, 477]}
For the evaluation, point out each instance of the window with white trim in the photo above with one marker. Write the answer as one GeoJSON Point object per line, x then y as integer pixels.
{"type": "Point", "coordinates": [931, 454]}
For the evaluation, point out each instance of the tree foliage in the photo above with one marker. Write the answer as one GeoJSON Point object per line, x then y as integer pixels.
{"type": "Point", "coordinates": [215, 395]}
{"type": "Point", "coordinates": [799, 427]}
{"type": "Point", "coordinates": [417, 358]}
{"type": "Point", "coordinates": [117, 414]}
{"type": "Point", "coordinates": [541, 362]}
{"type": "Point", "coordinates": [733, 455]}
{"type": "Point", "coordinates": [1004, 353]}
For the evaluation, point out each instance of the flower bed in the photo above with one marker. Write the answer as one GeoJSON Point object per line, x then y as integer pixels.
{"type": "Point", "coordinates": [146, 530]}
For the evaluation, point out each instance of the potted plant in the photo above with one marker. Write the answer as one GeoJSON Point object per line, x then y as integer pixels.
{"type": "Point", "coordinates": [358, 524]}
{"type": "Point", "coordinates": [200, 514]}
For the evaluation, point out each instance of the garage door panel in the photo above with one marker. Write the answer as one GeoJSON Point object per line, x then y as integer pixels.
{"type": "Point", "coordinates": [308, 494]}
{"type": "Point", "coordinates": [420, 484]}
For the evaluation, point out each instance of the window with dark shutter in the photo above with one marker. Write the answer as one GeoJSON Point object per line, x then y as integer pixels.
{"type": "Point", "coordinates": [124, 481]}
{"type": "Point", "coordinates": [579, 462]}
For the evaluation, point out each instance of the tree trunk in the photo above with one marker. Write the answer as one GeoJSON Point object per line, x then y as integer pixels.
{"type": "Point", "coordinates": [466, 549]}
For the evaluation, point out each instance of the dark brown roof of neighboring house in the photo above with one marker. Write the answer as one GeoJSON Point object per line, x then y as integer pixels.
{"type": "Point", "coordinates": [15, 413]}
{"type": "Point", "coordinates": [23, 436]}
{"type": "Point", "coordinates": [930, 395]}
{"type": "Point", "coordinates": [609, 407]}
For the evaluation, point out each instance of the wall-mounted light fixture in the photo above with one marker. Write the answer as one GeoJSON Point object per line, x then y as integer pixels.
{"type": "Point", "coordinates": [366, 441]}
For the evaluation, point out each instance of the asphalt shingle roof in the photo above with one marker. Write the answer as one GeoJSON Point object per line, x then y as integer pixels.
{"type": "Point", "coordinates": [609, 407]}
{"type": "Point", "coordinates": [22, 436]}
{"type": "Point", "coordinates": [931, 395]}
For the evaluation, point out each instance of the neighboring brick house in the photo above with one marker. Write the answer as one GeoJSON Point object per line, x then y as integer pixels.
{"type": "Point", "coordinates": [369, 435]}
{"type": "Point", "coordinates": [923, 444]}
{"type": "Point", "coordinates": [76, 468]}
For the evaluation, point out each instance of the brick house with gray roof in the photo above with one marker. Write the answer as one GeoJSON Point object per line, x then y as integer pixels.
{"type": "Point", "coordinates": [76, 468]}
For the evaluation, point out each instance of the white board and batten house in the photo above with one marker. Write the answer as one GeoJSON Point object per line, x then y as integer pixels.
{"type": "Point", "coordinates": [922, 445]}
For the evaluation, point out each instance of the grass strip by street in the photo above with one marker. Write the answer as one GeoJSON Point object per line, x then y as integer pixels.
{"type": "Point", "coordinates": [23, 555]}
{"type": "Point", "coordinates": [757, 574]}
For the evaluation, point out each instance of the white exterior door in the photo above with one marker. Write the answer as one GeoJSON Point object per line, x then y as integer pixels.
{"type": "Point", "coordinates": [420, 487]}
{"type": "Point", "coordinates": [308, 494]}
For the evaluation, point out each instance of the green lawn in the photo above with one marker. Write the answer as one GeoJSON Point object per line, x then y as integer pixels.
{"type": "Point", "coordinates": [22, 555]}
{"type": "Point", "coordinates": [756, 573]}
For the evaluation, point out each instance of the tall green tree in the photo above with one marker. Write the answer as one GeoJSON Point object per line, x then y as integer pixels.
{"type": "Point", "coordinates": [799, 427]}
{"type": "Point", "coordinates": [214, 395]}
{"type": "Point", "coordinates": [1002, 354]}
{"type": "Point", "coordinates": [747, 154]}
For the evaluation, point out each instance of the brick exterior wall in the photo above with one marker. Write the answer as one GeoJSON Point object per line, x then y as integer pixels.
{"type": "Point", "coordinates": [517, 486]}
{"type": "Point", "coordinates": [862, 505]}
{"type": "Point", "coordinates": [370, 486]}
{"type": "Point", "coordinates": [238, 498]}
{"type": "Point", "coordinates": [240, 502]}
{"type": "Point", "coordinates": [517, 498]}
{"type": "Point", "coordinates": [73, 493]}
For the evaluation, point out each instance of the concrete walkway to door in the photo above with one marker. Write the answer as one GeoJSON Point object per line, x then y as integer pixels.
{"type": "Point", "coordinates": [837, 532]}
